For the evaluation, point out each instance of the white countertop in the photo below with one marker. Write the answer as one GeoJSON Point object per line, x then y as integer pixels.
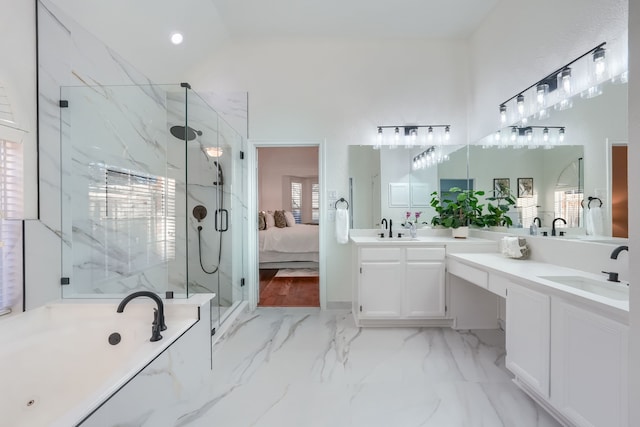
{"type": "Point", "coordinates": [420, 240]}
{"type": "Point", "coordinates": [528, 271]}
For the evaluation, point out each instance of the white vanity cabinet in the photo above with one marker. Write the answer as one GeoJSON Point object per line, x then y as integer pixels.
{"type": "Point", "coordinates": [399, 285]}
{"type": "Point", "coordinates": [528, 337]}
{"type": "Point", "coordinates": [588, 366]}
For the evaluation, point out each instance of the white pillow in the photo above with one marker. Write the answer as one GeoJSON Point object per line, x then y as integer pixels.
{"type": "Point", "coordinates": [291, 221]}
{"type": "Point", "coordinates": [271, 221]}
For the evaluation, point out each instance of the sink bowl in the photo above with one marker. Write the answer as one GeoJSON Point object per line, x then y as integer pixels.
{"type": "Point", "coordinates": [617, 291]}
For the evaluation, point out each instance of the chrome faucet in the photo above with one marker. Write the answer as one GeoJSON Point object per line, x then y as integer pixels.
{"type": "Point", "coordinates": [616, 251]}
{"type": "Point", "coordinates": [158, 313]}
{"type": "Point", "coordinates": [553, 225]}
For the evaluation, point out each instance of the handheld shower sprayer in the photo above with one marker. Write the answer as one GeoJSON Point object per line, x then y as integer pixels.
{"type": "Point", "coordinates": [220, 175]}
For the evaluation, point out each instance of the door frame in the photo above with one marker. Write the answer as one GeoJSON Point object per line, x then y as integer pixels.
{"type": "Point", "coordinates": [252, 213]}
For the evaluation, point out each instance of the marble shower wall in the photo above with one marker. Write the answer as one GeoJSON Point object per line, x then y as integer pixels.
{"type": "Point", "coordinates": [117, 119]}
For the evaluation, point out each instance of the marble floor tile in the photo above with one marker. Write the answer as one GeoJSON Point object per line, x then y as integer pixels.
{"type": "Point", "coordinates": [305, 367]}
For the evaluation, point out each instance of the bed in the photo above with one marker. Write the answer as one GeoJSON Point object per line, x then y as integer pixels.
{"type": "Point", "coordinates": [289, 246]}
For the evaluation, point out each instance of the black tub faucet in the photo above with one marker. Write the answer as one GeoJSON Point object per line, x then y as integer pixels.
{"type": "Point", "coordinates": [158, 313]}
{"type": "Point", "coordinates": [384, 221]}
{"type": "Point", "coordinates": [553, 225]}
{"type": "Point", "coordinates": [616, 251]}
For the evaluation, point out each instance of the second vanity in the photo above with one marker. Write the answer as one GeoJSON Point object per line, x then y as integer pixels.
{"type": "Point", "coordinates": [566, 329]}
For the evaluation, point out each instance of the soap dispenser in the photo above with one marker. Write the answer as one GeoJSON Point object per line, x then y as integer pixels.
{"type": "Point", "coordinates": [533, 229]}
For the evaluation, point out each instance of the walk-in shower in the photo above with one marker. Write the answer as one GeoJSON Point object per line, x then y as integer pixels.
{"type": "Point", "coordinates": [135, 201]}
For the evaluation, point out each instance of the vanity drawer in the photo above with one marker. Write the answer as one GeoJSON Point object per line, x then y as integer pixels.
{"type": "Point", "coordinates": [468, 273]}
{"type": "Point", "coordinates": [498, 284]}
{"type": "Point", "coordinates": [425, 254]}
{"type": "Point", "coordinates": [380, 254]}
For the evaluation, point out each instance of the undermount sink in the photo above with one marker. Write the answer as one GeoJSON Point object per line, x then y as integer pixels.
{"type": "Point", "coordinates": [397, 239]}
{"type": "Point", "coordinates": [617, 291]}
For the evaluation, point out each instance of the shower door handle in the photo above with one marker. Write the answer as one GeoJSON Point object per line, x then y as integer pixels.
{"type": "Point", "coordinates": [224, 226]}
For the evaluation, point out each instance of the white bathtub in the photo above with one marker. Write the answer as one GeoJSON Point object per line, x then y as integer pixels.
{"type": "Point", "coordinates": [56, 363]}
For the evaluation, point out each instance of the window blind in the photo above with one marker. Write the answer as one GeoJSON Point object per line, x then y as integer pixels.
{"type": "Point", "coordinates": [315, 203]}
{"type": "Point", "coordinates": [138, 214]}
{"type": "Point", "coordinates": [296, 201]}
{"type": "Point", "coordinates": [11, 212]}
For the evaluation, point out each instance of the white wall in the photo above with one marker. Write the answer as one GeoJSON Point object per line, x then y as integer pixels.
{"type": "Point", "coordinates": [341, 90]}
{"type": "Point", "coordinates": [522, 41]}
{"type": "Point", "coordinates": [18, 76]}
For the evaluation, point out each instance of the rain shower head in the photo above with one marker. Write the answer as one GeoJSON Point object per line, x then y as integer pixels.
{"type": "Point", "coordinates": [185, 132]}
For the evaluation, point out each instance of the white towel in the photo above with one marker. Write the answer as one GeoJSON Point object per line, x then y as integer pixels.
{"type": "Point", "coordinates": [342, 225]}
{"type": "Point", "coordinates": [511, 246]}
{"type": "Point", "coordinates": [594, 221]}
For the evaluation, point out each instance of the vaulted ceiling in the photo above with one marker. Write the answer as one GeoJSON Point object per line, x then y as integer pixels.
{"type": "Point", "coordinates": [142, 27]}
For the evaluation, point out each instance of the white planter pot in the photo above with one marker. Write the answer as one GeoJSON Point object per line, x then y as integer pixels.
{"type": "Point", "coordinates": [460, 232]}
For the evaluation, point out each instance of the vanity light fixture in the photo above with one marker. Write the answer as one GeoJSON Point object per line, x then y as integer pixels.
{"type": "Point", "coordinates": [520, 104]}
{"type": "Point", "coordinates": [558, 79]}
{"type": "Point", "coordinates": [529, 135]}
{"type": "Point", "coordinates": [411, 134]}
{"type": "Point", "coordinates": [599, 60]}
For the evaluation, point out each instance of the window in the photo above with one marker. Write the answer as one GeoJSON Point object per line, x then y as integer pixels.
{"type": "Point", "coordinates": [315, 203]}
{"type": "Point", "coordinates": [137, 213]}
{"type": "Point", "coordinates": [296, 201]}
{"type": "Point", "coordinates": [567, 206]}
{"type": "Point", "coordinates": [11, 211]}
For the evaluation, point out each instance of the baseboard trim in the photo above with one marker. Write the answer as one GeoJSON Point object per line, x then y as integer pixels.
{"type": "Point", "coordinates": [338, 305]}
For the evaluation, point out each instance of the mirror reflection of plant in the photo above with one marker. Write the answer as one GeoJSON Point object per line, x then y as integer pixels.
{"type": "Point", "coordinates": [457, 208]}
{"type": "Point", "coordinates": [497, 215]}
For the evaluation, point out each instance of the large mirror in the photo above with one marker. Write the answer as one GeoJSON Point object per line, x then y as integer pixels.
{"type": "Point", "coordinates": [552, 179]}
{"type": "Point", "coordinates": [590, 162]}
{"type": "Point", "coordinates": [385, 183]}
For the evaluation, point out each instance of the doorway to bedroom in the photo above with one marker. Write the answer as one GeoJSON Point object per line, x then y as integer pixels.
{"type": "Point", "coordinates": [288, 226]}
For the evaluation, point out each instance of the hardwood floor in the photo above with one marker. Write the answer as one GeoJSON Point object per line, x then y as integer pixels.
{"type": "Point", "coordinates": [288, 291]}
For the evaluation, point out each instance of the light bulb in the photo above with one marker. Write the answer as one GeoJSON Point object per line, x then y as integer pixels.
{"type": "Point", "coordinates": [447, 134]}
{"type": "Point", "coordinates": [503, 113]}
{"type": "Point", "coordinates": [414, 136]}
{"type": "Point", "coordinates": [497, 136]}
{"type": "Point", "coordinates": [529, 134]}
{"type": "Point", "coordinates": [176, 38]}
{"type": "Point", "coordinates": [599, 61]}
{"type": "Point", "coordinates": [379, 138]}
{"type": "Point", "coordinates": [396, 137]}
{"type": "Point", "coordinates": [514, 133]}
{"type": "Point", "coordinates": [520, 103]}
{"type": "Point", "coordinates": [565, 80]}
{"type": "Point", "coordinates": [561, 135]}
{"type": "Point", "coordinates": [545, 134]}
{"type": "Point", "coordinates": [430, 134]}
{"type": "Point", "coordinates": [541, 93]}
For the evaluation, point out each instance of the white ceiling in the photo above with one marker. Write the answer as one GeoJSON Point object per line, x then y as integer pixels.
{"type": "Point", "coordinates": [139, 30]}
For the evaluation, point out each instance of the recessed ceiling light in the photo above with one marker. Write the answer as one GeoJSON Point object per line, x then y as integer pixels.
{"type": "Point", "coordinates": [176, 38]}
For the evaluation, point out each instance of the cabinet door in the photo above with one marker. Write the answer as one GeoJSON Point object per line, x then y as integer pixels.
{"type": "Point", "coordinates": [424, 289]}
{"type": "Point", "coordinates": [528, 337]}
{"type": "Point", "coordinates": [381, 289]}
{"type": "Point", "coordinates": [589, 366]}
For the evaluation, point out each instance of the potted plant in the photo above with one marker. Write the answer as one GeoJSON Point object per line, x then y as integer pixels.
{"type": "Point", "coordinates": [497, 215]}
{"type": "Point", "coordinates": [457, 210]}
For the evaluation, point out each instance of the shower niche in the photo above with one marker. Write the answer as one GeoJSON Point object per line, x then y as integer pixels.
{"type": "Point", "coordinates": [153, 195]}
